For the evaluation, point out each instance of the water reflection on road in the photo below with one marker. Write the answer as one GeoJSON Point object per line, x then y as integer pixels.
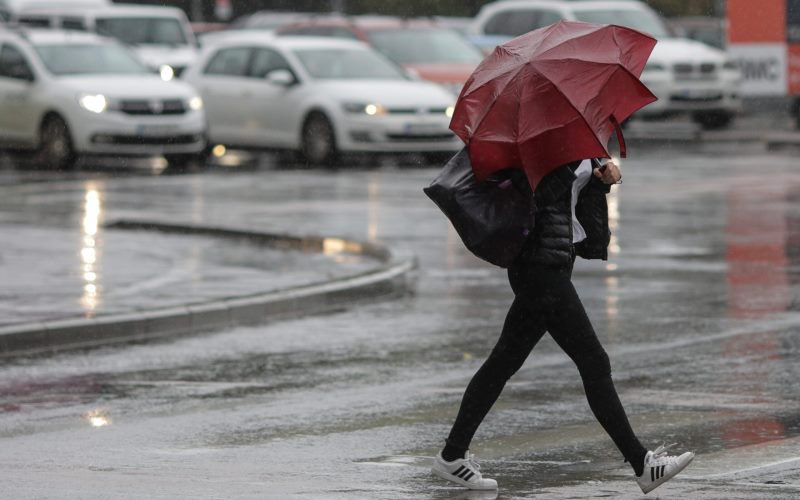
{"type": "Point", "coordinates": [697, 311]}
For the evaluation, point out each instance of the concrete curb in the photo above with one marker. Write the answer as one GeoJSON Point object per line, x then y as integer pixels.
{"type": "Point", "coordinates": [389, 278]}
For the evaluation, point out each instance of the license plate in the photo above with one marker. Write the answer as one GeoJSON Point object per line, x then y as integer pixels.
{"type": "Point", "coordinates": [699, 94]}
{"type": "Point", "coordinates": [158, 130]}
{"type": "Point", "coordinates": [422, 128]}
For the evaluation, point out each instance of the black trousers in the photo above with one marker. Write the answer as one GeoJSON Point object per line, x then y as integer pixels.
{"type": "Point", "coordinates": [546, 301]}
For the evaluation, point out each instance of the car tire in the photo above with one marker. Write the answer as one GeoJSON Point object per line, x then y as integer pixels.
{"type": "Point", "coordinates": [55, 145]}
{"type": "Point", "coordinates": [319, 141]}
{"type": "Point", "coordinates": [713, 120]}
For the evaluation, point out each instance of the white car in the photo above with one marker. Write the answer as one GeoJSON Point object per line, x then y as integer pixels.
{"type": "Point", "coordinates": [687, 76]}
{"type": "Point", "coordinates": [66, 94]}
{"type": "Point", "coordinates": [161, 36]}
{"type": "Point", "coordinates": [320, 96]}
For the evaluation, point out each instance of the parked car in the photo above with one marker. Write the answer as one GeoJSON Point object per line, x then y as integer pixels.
{"type": "Point", "coordinates": [687, 76]}
{"type": "Point", "coordinates": [65, 94]}
{"type": "Point", "coordinates": [318, 96]}
{"type": "Point", "coordinates": [265, 21]}
{"type": "Point", "coordinates": [429, 51]}
{"type": "Point", "coordinates": [161, 36]}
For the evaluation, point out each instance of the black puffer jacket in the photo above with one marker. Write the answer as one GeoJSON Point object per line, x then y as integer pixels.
{"type": "Point", "coordinates": [550, 243]}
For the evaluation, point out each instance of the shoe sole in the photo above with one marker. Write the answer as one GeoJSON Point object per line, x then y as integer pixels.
{"type": "Point", "coordinates": [664, 479]}
{"type": "Point", "coordinates": [455, 479]}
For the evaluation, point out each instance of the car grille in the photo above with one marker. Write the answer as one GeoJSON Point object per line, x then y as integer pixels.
{"type": "Point", "coordinates": [152, 107]}
{"type": "Point", "coordinates": [420, 137]}
{"type": "Point", "coordinates": [146, 140]}
{"type": "Point", "coordinates": [415, 111]}
{"type": "Point", "coordinates": [689, 71]}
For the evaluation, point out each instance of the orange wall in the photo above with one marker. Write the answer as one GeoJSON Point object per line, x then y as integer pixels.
{"type": "Point", "coordinates": [755, 21]}
{"type": "Point", "coordinates": [794, 68]}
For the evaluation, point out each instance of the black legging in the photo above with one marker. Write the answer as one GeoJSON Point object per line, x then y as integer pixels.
{"type": "Point", "coordinates": [546, 300]}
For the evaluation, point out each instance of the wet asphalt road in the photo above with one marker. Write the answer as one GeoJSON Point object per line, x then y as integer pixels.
{"type": "Point", "coordinates": [698, 308]}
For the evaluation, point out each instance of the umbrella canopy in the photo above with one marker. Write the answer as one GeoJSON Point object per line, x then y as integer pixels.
{"type": "Point", "coordinates": [551, 97]}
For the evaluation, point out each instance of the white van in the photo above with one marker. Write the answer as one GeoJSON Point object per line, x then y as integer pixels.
{"type": "Point", "coordinates": [160, 36]}
{"type": "Point", "coordinates": [8, 8]}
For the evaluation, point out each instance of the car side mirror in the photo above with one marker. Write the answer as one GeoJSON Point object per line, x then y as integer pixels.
{"type": "Point", "coordinates": [282, 77]}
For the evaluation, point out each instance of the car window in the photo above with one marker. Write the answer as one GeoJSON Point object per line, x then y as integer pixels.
{"type": "Point", "coordinates": [90, 59]}
{"type": "Point", "coordinates": [143, 30]}
{"type": "Point", "coordinates": [642, 20]}
{"type": "Point", "coordinates": [520, 21]}
{"type": "Point", "coordinates": [13, 63]}
{"type": "Point", "coordinates": [73, 23]}
{"type": "Point", "coordinates": [230, 62]}
{"type": "Point", "coordinates": [266, 61]}
{"type": "Point", "coordinates": [331, 31]}
{"type": "Point", "coordinates": [35, 22]}
{"type": "Point", "coordinates": [548, 17]}
{"type": "Point", "coordinates": [512, 22]}
{"type": "Point", "coordinates": [347, 64]}
{"type": "Point", "coordinates": [424, 46]}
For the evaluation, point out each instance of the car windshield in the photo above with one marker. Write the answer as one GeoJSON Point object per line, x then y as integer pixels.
{"type": "Point", "coordinates": [143, 30]}
{"type": "Point", "coordinates": [89, 59]}
{"type": "Point", "coordinates": [347, 64]}
{"type": "Point", "coordinates": [641, 20]}
{"type": "Point", "coordinates": [424, 46]}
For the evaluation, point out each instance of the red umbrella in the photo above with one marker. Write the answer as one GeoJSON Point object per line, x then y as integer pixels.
{"type": "Point", "coordinates": [552, 96]}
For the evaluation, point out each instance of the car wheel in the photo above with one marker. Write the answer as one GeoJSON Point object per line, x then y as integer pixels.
{"type": "Point", "coordinates": [55, 146]}
{"type": "Point", "coordinates": [713, 120]}
{"type": "Point", "coordinates": [319, 141]}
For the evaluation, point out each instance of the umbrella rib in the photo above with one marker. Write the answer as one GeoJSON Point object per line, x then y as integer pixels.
{"type": "Point", "coordinates": [588, 126]}
{"type": "Point", "coordinates": [494, 102]}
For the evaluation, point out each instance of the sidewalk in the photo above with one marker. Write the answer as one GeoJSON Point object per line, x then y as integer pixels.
{"type": "Point", "coordinates": [128, 281]}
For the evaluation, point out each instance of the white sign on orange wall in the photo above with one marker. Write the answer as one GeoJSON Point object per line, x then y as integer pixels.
{"type": "Point", "coordinates": [764, 67]}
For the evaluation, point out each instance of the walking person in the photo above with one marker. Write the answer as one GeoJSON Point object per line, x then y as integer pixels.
{"type": "Point", "coordinates": [571, 219]}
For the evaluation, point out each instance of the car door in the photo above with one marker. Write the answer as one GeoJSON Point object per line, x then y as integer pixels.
{"type": "Point", "coordinates": [274, 106]}
{"type": "Point", "coordinates": [223, 85]}
{"type": "Point", "coordinates": [18, 107]}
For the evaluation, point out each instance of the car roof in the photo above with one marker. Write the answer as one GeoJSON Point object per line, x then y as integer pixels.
{"type": "Point", "coordinates": [366, 23]}
{"type": "Point", "coordinates": [567, 4]}
{"type": "Point", "coordinates": [115, 10]}
{"type": "Point", "coordinates": [286, 43]}
{"type": "Point", "coordinates": [42, 36]}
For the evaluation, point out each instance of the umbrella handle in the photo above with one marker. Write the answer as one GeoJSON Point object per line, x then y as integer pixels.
{"type": "Point", "coordinates": [618, 129]}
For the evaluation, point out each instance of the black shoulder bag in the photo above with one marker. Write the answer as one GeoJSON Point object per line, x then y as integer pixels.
{"type": "Point", "coordinates": [492, 217]}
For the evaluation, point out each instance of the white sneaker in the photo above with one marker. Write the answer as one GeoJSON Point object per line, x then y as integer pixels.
{"type": "Point", "coordinates": [660, 468]}
{"type": "Point", "coordinates": [464, 471]}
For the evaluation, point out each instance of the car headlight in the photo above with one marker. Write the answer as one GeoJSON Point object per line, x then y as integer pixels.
{"type": "Point", "coordinates": [370, 109]}
{"type": "Point", "coordinates": [196, 103]}
{"type": "Point", "coordinates": [96, 103]}
{"type": "Point", "coordinates": [167, 72]}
